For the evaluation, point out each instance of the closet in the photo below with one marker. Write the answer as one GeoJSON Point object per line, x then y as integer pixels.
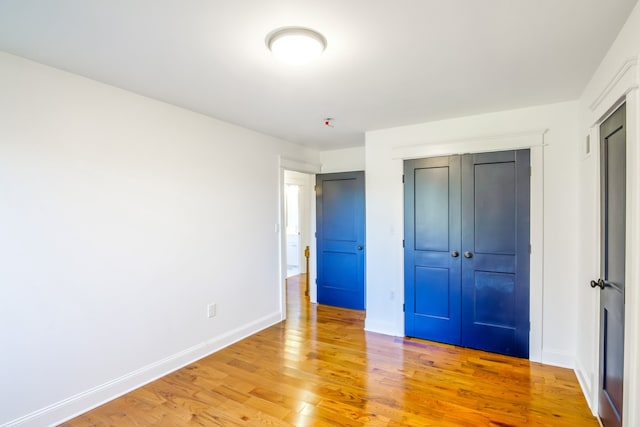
{"type": "Point", "coordinates": [467, 250]}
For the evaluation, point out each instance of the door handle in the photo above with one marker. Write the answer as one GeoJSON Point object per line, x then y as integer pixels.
{"type": "Point", "coordinates": [455, 254]}
{"type": "Point", "coordinates": [359, 248]}
{"type": "Point", "coordinates": [600, 283]}
{"type": "Point", "coordinates": [468, 254]}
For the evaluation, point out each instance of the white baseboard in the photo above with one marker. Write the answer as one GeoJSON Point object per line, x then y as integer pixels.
{"type": "Point", "coordinates": [558, 358]}
{"type": "Point", "coordinates": [82, 402]}
{"type": "Point", "coordinates": [386, 328]}
{"type": "Point", "coordinates": [586, 384]}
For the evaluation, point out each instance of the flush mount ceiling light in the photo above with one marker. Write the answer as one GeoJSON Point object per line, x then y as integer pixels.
{"type": "Point", "coordinates": [296, 45]}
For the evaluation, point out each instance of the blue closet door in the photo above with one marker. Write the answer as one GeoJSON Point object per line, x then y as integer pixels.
{"type": "Point", "coordinates": [467, 250]}
{"type": "Point", "coordinates": [432, 249]}
{"type": "Point", "coordinates": [495, 245]}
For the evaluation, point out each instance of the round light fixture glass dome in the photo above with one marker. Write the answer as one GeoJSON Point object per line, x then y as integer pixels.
{"type": "Point", "coordinates": [296, 45]}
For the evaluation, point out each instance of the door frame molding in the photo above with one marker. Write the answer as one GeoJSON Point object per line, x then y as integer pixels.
{"type": "Point", "coordinates": [285, 163]}
{"type": "Point", "coordinates": [621, 88]}
{"type": "Point", "coordinates": [534, 141]}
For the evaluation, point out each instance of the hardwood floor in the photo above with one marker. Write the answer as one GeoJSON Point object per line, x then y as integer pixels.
{"type": "Point", "coordinates": [319, 368]}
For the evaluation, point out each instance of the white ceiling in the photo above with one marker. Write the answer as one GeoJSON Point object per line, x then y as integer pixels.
{"type": "Point", "coordinates": [388, 63]}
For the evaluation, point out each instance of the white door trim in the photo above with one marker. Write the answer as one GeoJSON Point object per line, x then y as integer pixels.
{"type": "Point", "coordinates": [534, 141]}
{"type": "Point", "coordinates": [285, 163]}
{"type": "Point", "coordinates": [622, 87]}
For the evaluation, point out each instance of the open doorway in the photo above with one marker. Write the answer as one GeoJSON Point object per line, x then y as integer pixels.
{"type": "Point", "coordinates": [298, 230]}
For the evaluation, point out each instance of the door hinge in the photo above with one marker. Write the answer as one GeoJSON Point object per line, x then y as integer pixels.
{"type": "Point", "coordinates": [315, 188]}
{"type": "Point", "coordinates": [403, 243]}
{"type": "Point", "coordinates": [403, 178]}
{"type": "Point", "coordinates": [403, 307]}
{"type": "Point", "coordinates": [315, 234]}
{"type": "Point", "coordinates": [529, 248]}
{"type": "Point", "coordinates": [530, 172]}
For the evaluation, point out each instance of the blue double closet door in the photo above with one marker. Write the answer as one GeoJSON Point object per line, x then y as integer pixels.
{"type": "Point", "coordinates": [467, 250]}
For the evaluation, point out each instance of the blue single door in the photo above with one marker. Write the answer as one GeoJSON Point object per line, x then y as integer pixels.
{"type": "Point", "coordinates": [467, 250]}
{"type": "Point", "coordinates": [340, 239]}
{"type": "Point", "coordinates": [432, 249]}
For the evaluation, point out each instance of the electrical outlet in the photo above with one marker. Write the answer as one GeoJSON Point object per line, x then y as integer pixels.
{"type": "Point", "coordinates": [211, 310]}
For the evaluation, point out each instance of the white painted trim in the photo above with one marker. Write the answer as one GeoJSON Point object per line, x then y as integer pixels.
{"type": "Point", "coordinates": [299, 166]}
{"type": "Point", "coordinates": [623, 81]}
{"type": "Point", "coordinates": [582, 373]}
{"type": "Point", "coordinates": [536, 261]}
{"type": "Point", "coordinates": [586, 383]}
{"type": "Point", "coordinates": [592, 399]}
{"type": "Point", "coordinates": [479, 144]}
{"type": "Point", "coordinates": [631, 411]}
{"type": "Point", "coordinates": [533, 140]}
{"type": "Point", "coordinates": [313, 260]}
{"type": "Point", "coordinates": [82, 402]}
{"type": "Point", "coordinates": [623, 87]}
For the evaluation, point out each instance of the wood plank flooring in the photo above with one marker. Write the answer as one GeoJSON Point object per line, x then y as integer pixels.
{"type": "Point", "coordinates": [320, 368]}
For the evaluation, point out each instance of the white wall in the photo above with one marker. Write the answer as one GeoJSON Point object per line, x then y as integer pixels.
{"type": "Point", "coordinates": [617, 76]}
{"type": "Point", "coordinates": [344, 160]}
{"type": "Point", "coordinates": [555, 318]}
{"type": "Point", "coordinates": [120, 218]}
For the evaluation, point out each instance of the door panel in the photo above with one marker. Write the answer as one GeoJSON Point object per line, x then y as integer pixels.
{"type": "Point", "coordinates": [495, 211]}
{"type": "Point", "coordinates": [340, 239]}
{"type": "Point", "coordinates": [432, 232]}
{"type": "Point", "coordinates": [432, 300]}
{"type": "Point", "coordinates": [612, 281]}
{"type": "Point", "coordinates": [495, 235]}
{"type": "Point", "coordinates": [494, 299]}
{"type": "Point", "coordinates": [432, 209]}
{"type": "Point", "coordinates": [339, 209]}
